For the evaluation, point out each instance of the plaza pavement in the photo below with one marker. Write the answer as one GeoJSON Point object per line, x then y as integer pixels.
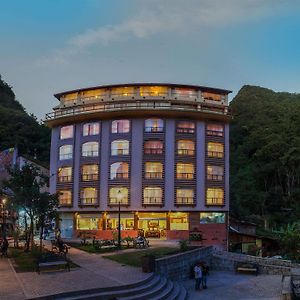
{"type": "Point", "coordinates": [230, 286]}
{"type": "Point", "coordinates": [97, 272]}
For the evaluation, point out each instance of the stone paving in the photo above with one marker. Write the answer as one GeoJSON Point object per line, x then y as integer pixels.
{"type": "Point", "coordinates": [94, 272]}
{"type": "Point", "coordinates": [230, 286]}
{"type": "Point", "coordinates": [10, 288]}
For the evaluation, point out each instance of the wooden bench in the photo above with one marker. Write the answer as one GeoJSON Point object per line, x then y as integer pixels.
{"type": "Point", "coordinates": [247, 268]}
{"type": "Point", "coordinates": [52, 264]}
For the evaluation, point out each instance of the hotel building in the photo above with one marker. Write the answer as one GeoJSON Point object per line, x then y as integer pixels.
{"type": "Point", "coordinates": [159, 153]}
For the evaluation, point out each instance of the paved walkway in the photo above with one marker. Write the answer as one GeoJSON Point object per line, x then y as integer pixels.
{"type": "Point", "coordinates": [230, 286]}
{"type": "Point", "coordinates": [94, 272]}
{"type": "Point", "coordinates": [10, 288]}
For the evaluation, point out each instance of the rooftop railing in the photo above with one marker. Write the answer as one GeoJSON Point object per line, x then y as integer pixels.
{"type": "Point", "coordinates": [153, 105]}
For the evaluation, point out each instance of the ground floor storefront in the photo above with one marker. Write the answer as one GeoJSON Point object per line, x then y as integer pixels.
{"type": "Point", "coordinates": [203, 228]}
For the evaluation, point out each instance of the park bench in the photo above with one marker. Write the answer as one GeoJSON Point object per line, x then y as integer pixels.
{"type": "Point", "coordinates": [247, 268]}
{"type": "Point", "coordinates": [55, 248]}
{"type": "Point", "coordinates": [50, 261]}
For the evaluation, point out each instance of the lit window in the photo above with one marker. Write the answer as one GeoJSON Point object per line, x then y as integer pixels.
{"type": "Point", "coordinates": [154, 125]}
{"type": "Point", "coordinates": [212, 218]}
{"type": "Point", "coordinates": [153, 147]}
{"type": "Point", "coordinates": [184, 92]}
{"type": "Point", "coordinates": [184, 171]}
{"type": "Point", "coordinates": [90, 129]}
{"type": "Point", "coordinates": [65, 152]}
{"type": "Point", "coordinates": [66, 132]}
{"type": "Point", "coordinates": [118, 195]}
{"type": "Point", "coordinates": [184, 196]}
{"type": "Point", "coordinates": [119, 170]}
{"type": "Point", "coordinates": [179, 221]}
{"type": "Point", "coordinates": [120, 147]}
{"type": "Point", "coordinates": [88, 223]}
{"type": "Point", "coordinates": [156, 91]}
{"type": "Point", "coordinates": [64, 174]}
{"type": "Point", "coordinates": [211, 96]}
{"type": "Point", "coordinates": [214, 196]}
{"type": "Point", "coordinates": [90, 149]}
{"type": "Point", "coordinates": [214, 129]}
{"type": "Point", "coordinates": [89, 172]}
{"type": "Point", "coordinates": [185, 127]}
{"type": "Point", "coordinates": [215, 150]}
{"type": "Point", "coordinates": [126, 91]}
{"type": "Point", "coordinates": [93, 94]}
{"type": "Point", "coordinates": [88, 196]}
{"type": "Point", "coordinates": [153, 170]}
{"type": "Point", "coordinates": [65, 198]}
{"type": "Point", "coordinates": [185, 147]}
{"type": "Point", "coordinates": [152, 195]}
{"type": "Point", "coordinates": [215, 173]}
{"type": "Point", "coordinates": [120, 126]}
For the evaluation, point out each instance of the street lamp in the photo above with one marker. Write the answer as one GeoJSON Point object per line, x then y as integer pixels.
{"type": "Point", "coordinates": [119, 198]}
{"type": "Point", "coordinates": [3, 201]}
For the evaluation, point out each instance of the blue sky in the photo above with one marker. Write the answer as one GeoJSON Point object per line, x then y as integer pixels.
{"type": "Point", "coordinates": [49, 46]}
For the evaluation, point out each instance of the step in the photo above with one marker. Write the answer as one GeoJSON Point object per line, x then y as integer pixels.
{"type": "Point", "coordinates": [149, 294]}
{"type": "Point", "coordinates": [109, 292]}
{"type": "Point", "coordinates": [122, 291]}
{"type": "Point", "coordinates": [183, 295]}
{"type": "Point", "coordinates": [175, 292]}
{"type": "Point", "coordinates": [166, 292]}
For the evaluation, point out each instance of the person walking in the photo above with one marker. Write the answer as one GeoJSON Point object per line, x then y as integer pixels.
{"type": "Point", "coordinates": [198, 276]}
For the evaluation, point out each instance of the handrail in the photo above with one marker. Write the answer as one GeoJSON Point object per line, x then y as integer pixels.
{"type": "Point", "coordinates": [157, 105]}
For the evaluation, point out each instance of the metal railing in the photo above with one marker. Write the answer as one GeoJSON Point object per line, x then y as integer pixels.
{"type": "Point", "coordinates": [185, 176]}
{"type": "Point", "coordinates": [156, 105]}
{"type": "Point", "coordinates": [88, 201]}
{"type": "Point", "coordinates": [214, 133]}
{"type": "Point", "coordinates": [215, 177]}
{"type": "Point", "coordinates": [153, 151]}
{"type": "Point", "coordinates": [214, 201]}
{"type": "Point", "coordinates": [154, 129]}
{"type": "Point", "coordinates": [153, 175]}
{"type": "Point", "coordinates": [115, 200]}
{"type": "Point", "coordinates": [67, 178]}
{"type": "Point", "coordinates": [152, 200]}
{"type": "Point", "coordinates": [185, 130]}
{"type": "Point", "coordinates": [185, 152]}
{"type": "Point", "coordinates": [124, 151]}
{"type": "Point", "coordinates": [90, 153]}
{"type": "Point", "coordinates": [184, 200]}
{"type": "Point", "coordinates": [119, 175]}
{"type": "Point", "coordinates": [216, 154]}
{"type": "Point", "coordinates": [89, 177]}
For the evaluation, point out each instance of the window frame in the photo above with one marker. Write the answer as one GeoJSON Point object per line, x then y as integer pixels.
{"type": "Point", "coordinates": [94, 153]}
{"type": "Point", "coordinates": [67, 155]}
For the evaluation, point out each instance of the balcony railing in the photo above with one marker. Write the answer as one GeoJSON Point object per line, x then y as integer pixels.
{"type": "Point", "coordinates": [184, 200]}
{"type": "Point", "coordinates": [185, 176]}
{"type": "Point", "coordinates": [91, 153]}
{"type": "Point", "coordinates": [189, 152]}
{"type": "Point", "coordinates": [89, 177]}
{"type": "Point", "coordinates": [214, 133]}
{"type": "Point", "coordinates": [153, 175]}
{"type": "Point", "coordinates": [214, 201]}
{"type": "Point", "coordinates": [152, 200]}
{"type": "Point", "coordinates": [155, 151]}
{"type": "Point", "coordinates": [216, 154]}
{"type": "Point", "coordinates": [62, 179]}
{"type": "Point", "coordinates": [156, 105]}
{"type": "Point", "coordinates": [154, 129]}
{"type": "Point", "coordinates": [119, 175]}
{"type": "Point", "coordinates": [116, 201]}
{"type": "Point", "coordinates": [214, 177]}
{"type": "Point", "coordinates": [88, 201]}
{"type": "Point", "coordinates": [65, 202]}
{"type": "Point", "coordinates": [124, 151]}
{"type": "Point", "coordinates": [185, 130]}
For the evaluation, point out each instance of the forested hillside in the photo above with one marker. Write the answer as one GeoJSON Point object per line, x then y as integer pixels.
{"type": "Point", "coordinates": [265, 156]}
{"type": "Point", "coordinates": [19, 129]}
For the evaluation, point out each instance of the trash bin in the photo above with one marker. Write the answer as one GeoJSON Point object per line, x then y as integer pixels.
{"type": "Point", "coordinates": [148, 263]}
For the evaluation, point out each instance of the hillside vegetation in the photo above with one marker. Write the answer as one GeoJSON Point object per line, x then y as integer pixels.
{"type": "Point", "coordinates": [18, 129]}
{"type": "Point", "coordinates": [265, 156]}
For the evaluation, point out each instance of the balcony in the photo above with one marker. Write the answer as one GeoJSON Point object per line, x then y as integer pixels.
{"type": "Point", "coordinates": [152, 200]}
{"type": "Point", "coordinates": [137, 106]}
{"type": "Point", "coordinates": [185, 176]}
{"type": "Point", "coordinates": [63, 179]}
{"type": "Point", "coordinates": [89, 177]}
{"type": "Point", "coordinates": [184, 201]}
{"type": "Point", "coordinates": [153, 175]}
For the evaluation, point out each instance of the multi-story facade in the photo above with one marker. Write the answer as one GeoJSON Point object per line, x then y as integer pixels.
{"type": "Point", "coordinates": [157, 152]}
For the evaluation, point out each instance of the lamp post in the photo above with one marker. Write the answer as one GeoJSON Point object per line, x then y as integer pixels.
{"type": "Point", "coordinates": [119, 197]}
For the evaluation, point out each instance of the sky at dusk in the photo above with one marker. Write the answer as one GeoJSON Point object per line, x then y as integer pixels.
{"type": "Point", "coordinates": [49, 46]}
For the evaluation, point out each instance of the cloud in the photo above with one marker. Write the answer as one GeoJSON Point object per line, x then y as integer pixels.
{"type": "Point", "coordinates": [169, 16]}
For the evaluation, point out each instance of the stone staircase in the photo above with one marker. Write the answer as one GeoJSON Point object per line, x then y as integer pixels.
{"type": "Point", "coordinates": [155, 287]}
